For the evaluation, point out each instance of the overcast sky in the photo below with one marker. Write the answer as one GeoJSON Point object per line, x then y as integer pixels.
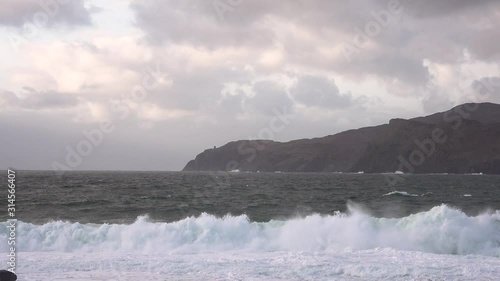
{"type": "Point", "coordinates": [162, 80]}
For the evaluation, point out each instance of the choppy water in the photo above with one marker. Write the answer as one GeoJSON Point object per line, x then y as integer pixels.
{"type": "Point", "coordinates": [258, 226]}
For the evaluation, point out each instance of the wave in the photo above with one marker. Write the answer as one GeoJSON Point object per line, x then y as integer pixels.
{"type": "Point", "coordinates": [402, 193]}
{"type": "Point", "coordinates": [441, 230]}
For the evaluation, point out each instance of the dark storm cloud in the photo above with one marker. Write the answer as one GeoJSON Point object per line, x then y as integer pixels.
{"type": "Point", "coordinates": [402, 44]}
{"type": "Point", "coordinates": [199, 89]}
{"type": "Point", "coordinates": [433, 8]}
{"type": "Point", "coordinates": [32, 99]}
{"type": "Point", "coordinates": [18, 12]}
{"type": "Point", "coordinates": [437, 102]}
{"type": "Point", "coordinates": [485, 45]}
{"type": "Point", "coordinates": [319, 91]}
{"type": "Point", "coordinates": [487, 89]}
{"type": "Point", "coordinates": [227, 73]}
{"type": "Point", "coordinates": [390, 64]}
{"type": "Point", "coordinates": [196, 22]}
{"type": "Point", "coordinates": [269, 97]}
{"type": "Point", "coordinates": [249, 23]}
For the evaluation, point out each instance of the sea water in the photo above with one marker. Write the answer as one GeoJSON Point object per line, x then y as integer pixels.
{"type": "Point", "coordinates": [244, 226]}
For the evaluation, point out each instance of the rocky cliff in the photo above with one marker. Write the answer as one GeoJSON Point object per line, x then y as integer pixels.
{"type": "Point", "coordinates": [465, 139]}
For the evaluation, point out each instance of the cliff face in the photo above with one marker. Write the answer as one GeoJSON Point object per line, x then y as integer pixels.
{"type": "Point", "coordinates": [465, 139]}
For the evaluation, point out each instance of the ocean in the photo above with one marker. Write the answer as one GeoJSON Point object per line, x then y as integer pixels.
{"type": "Point", "coordinates": [85, 225]}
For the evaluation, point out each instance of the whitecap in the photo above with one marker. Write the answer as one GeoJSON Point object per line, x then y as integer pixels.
{"type": "Point", "coordinates": [402, 193]}
{"type": "Point", "coordinates": [441, 230]}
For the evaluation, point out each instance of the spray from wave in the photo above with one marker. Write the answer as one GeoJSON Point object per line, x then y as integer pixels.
{"type": "Point", "coordinates": [442, 230]}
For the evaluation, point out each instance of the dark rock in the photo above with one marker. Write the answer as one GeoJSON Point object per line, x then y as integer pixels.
{"type": "Point", "coordinates": [472, 145]}
{"type": "Point", "coordinates": [6, 275]}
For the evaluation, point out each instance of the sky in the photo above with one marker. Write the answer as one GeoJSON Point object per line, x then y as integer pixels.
{"type": "Point", "coordinates": [149, 84]}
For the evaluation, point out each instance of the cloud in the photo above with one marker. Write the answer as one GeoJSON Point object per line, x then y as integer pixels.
{"type": "Point", "coordinates": [196, 22]}
{"type": "Point", "coordinates": [310, 35]}
{"type": "Point", "coordinates": [437, 102]}
{"type": "Point", "coordinates": [483, 46]}
{"type": "Point", "coordinates": [50, 12]}
{"type": "Point", "coordinates": [31, 99]}
{"type": "Point", "coordinates": [319, 91]}
{"type": "Point", "coordinates": [103, 65]}
{"type": "Point", "coordinates": [227, 73]}
{"type": "Point", "coordinates": [269, 96]}
{"type": "Point", "coordinates": [431, 8]}
{"type": "Point", "coordinates": [486, 89]}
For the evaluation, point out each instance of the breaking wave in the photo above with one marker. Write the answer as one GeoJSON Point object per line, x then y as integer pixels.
{"type": "Point", "coordinates": [402, 193]}
{"type": "Point", "coordinates": [442, 230]}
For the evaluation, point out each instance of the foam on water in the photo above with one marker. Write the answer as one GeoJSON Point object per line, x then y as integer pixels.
{"type": "Point", "coordinates": [441, 230]}
{"type": "Point", "coordinates": [376, 264]}
{"type": "Point", "coordinates": [402, 193]}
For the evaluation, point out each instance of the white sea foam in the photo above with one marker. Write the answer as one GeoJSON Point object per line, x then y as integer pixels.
{"type": "Point", "coordinates": [402, 193]}
{"type": "Point", "coordinates": [441, 230]}
{"type": "Point", "coordinates": [375, 264]}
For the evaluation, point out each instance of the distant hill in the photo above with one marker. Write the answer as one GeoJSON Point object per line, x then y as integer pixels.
{"type": "Point", "coordinates": [465, 139]}
{"type": "Point", "coordinates": [486, 113]}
